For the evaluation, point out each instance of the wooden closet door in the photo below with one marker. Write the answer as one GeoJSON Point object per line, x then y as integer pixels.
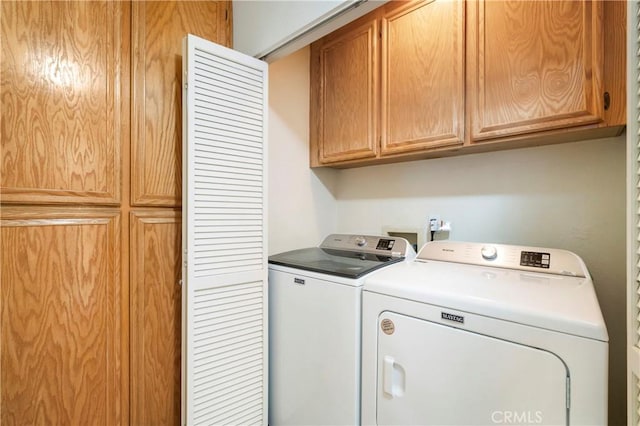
{"type": "Point", "coordinates": [157, 33]}
{"type": "Point", "coordinates": [61, 65]}
{"type": "Point", "coordinates": [61, 337]}
{"type": "Point", "coordinates": [534, 65]}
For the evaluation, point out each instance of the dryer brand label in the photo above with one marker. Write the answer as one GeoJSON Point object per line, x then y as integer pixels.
{"type": "Point", "coordinates": [387, 326]}
{"type": "Point", "coordinates": [298, 281]}
{"type": "Point", "coordinates": [451, 317]}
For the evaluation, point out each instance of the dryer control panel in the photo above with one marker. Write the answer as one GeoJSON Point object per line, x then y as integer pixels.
{"type": "Point", "coordinates": [546, 260]}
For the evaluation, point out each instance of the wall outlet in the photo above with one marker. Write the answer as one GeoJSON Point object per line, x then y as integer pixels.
{"type": "Point", "coordinates": [434, 223]}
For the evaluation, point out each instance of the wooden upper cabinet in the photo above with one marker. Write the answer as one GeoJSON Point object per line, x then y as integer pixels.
{"type": "Point", "coordinates": [344, 86]}
{"type": "Point", "coordinates": [534, 66]}
{"type": "Point", "coordinates": [63, 334]}
{"type": "Point", "coordinates": [392, 82]}
{"type": "Point", "coordinates": [422, 76]}
{"type": "Point", "coordinates": [157, 33]}
{"type": "Point", "coordinates": [61, 76]}
{"type": "Point", "coordinates": [457, 73]}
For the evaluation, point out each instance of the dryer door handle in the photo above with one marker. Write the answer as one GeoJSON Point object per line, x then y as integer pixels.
{"type": "Point", "coordinates": [393, 377]}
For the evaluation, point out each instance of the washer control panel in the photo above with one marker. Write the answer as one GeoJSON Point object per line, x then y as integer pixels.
{"type": "Point", "coordinates": [547, 260]}
{"type": "Point", "coordinates": [384, 246]}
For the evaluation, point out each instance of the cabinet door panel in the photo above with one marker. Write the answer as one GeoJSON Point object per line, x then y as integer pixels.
{"type": "Point", "coordinates": [155, 317]}
{"type": "Point", "coordinates": [61, 338]}
{"type": "Point", "coordinates": [422, 76]}
{"type": "Point", "coordinates": [534, 66]}
{"type": "Point", "coordinates": [346, 87]}
{"type": "Point", "coordinates": [60, 96]}
{"type": "Point", "coordinates": [158, 30]}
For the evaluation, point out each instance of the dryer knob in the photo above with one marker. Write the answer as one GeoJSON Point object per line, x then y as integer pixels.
{"type": "Point", "coordinates": [361, 241]}
{"type": "Point", "coordinates": [489, 252]}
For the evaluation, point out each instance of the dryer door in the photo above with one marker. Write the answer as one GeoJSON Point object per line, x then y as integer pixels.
{"type": "Point", "coordinates": [434, 374]}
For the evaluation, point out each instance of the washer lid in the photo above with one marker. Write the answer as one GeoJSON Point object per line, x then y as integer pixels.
{"type": "Point", "coordinates": [342, 263]}
{"type": "Point", "coordinates": [554, 302]}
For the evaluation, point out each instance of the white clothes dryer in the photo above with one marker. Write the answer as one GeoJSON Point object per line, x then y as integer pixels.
{"type": "Point", "coordinates": [484, 334]}
{"type": "Point", "coordinates": [315, 309]}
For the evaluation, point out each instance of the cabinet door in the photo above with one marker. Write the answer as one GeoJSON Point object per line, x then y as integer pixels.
{"type": "Point", "coordinates": [344, 85]}
{"type": "Point", "coordinates": [533, 66]}
{"type": "Point", "coordinates": [155, 317]}
{"type": "Point", "coordinates": [157, 33]}
{"type": "Point", "coordinates": [62, 343]}
{"type": "Point", "coordinates": [422, 76]}
{"type": "Point", "coordinates": [61, 72]}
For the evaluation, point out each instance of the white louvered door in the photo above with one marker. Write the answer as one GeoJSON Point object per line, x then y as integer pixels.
{"type": "Point", "coordinates": [224, 236]}
{"type": "Point", "coordinates": [633, 222]}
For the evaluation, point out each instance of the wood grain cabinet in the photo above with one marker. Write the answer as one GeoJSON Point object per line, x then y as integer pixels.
{"type": "Point", "coordinates": [157, 33]}
{"type": "Point", "coordinates": [155, 317]}
{"type": "Point", "coordinates": [90, 175]}
{"type": "Point", "coordinates": [63, 101]}
{"type": "Point", "coordinates": [391, 82]}
{"type": "Point", "coordinates": [535, 66]}
{"type": "Point", "coordinates": [344, 80]}
{"type": "Point", "coordinates": [63, 317]}
{"type": "Point", "coordinates": [422, 69]}
{"type": "Point", "coordinates": [454, 77]}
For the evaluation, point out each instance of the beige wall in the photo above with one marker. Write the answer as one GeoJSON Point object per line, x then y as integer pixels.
{"type": "Point", "coordinates": [302, 208]}
{"type": "Point", "coordinates": [569, 196]}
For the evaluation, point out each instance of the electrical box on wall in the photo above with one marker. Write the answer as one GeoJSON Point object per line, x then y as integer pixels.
{"type": "Point", "coordinates": [415, 236]}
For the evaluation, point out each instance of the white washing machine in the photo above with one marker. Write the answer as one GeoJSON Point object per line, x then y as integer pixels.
{"type": "Point", "coordinates": [315, 308]}
{"type": "Point", "coordinates": [484, 334]}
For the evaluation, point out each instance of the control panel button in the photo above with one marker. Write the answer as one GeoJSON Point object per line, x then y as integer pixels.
{"type": "Point", "coordinates": [361, 241]}
{"type": "Point", "coordinates": [489, 252]}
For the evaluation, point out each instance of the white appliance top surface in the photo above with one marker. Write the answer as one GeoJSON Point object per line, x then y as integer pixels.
{"type": "Point", "coordinates": [349, 256]}
{"type": "Point", "coordinates": [551, 301]}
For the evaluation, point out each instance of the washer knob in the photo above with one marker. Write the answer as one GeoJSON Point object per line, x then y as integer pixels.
{"type": "Point", "coordinates": [361, 241]}
{"type": "Point", "coordinates": [489, 252]}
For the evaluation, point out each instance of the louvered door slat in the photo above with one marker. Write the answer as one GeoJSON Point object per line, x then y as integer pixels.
{"type": "Point", "coordinates": [224, 236]}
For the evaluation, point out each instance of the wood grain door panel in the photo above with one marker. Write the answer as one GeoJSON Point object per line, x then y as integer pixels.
{"type": "Point", "coordinates": [70, 83]}
{"type": "Point", "coordinates": [157, 33]}
{"type": "Point", "coordinates": [155, 317]}
{"type": "Point", "coordinates": [60, 95]}
{"type": "Point", "coordinates": [347, 85]}
{"type": "Point", "coordinates": [534, 66]}
{"type": "Point", "coordinates": [422, 76]}
{"type": "Point", "coordinates": [61, 308]}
